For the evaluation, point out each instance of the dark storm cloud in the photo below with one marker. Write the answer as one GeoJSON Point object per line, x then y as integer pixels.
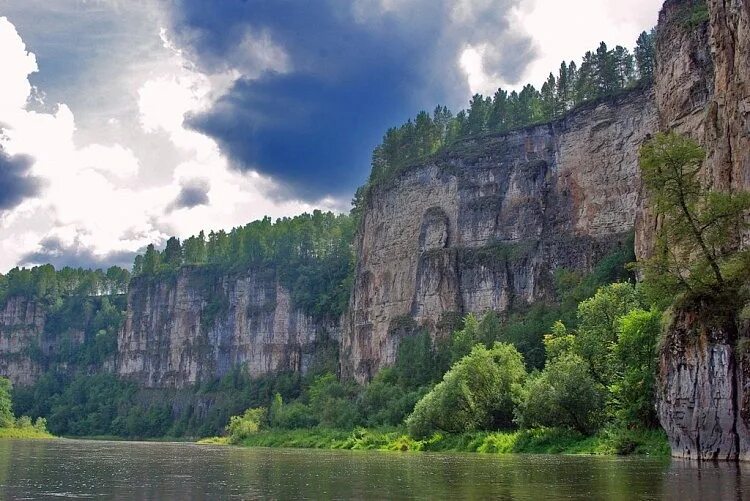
{"type": "Point", "coordinates": [192, 194]}
{"type": "Point", "coordinates": [354, 69]}
{"type": "Point", "coordinates": [15, 182]}
{"type": "Point", "coordinates": [53, 251]}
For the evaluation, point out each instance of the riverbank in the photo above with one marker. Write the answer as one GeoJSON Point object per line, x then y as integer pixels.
{"type": "Point", "coordinates": [25, 433]}
{"type": "Point", "coordinates": [539, 441]}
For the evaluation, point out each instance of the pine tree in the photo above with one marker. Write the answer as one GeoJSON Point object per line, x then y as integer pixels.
{"type": "Point", "coordinates": [498, 119]}
{"type": "Point", "coordinates": [550, 108]}
{"type": "Point", "coordinates": [645, 55]}
{"type": "Point", "coordinates": [563, 87]}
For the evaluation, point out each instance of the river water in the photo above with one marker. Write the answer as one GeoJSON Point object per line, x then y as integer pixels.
{"type": "Point", "coordinates": [83, 469]}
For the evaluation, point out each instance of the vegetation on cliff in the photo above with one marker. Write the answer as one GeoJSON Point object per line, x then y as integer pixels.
{"type": "Point", "coordinates": [698, 249]}
{"type": "Point", "coordinates": [603, 73]}
{"type": "Point", "coordinates": [310, 254]}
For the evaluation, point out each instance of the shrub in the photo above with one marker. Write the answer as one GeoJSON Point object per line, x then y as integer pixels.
{"type": "Point", "coordinates": [241, 427]}
{"type": "Point", "coordinates": [478, 392]}
{"type": "Point", "coordinates": [563, 394]}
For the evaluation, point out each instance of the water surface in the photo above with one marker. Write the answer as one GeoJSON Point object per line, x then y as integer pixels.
{"type": "Point", "coordinates": [132, 470]}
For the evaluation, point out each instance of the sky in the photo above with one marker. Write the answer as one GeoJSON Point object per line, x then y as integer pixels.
{"type": "Point", "coordinates": [125, 122]}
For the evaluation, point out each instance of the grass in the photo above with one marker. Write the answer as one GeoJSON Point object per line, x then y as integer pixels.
{"type": "Point", "coordinates": [537, 441]}
{"type": "Point", "coordinates": [25, 432]}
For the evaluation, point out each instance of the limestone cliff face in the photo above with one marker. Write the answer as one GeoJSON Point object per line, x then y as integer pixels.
{"type": "Point", "coordinates": [703, 397]}
{"type": "Point", "coordinates": [704, 370]}
{"type": "Point", "coordinates": [485, 224]}
{"type": "Point", "coordinates": [21, 325]}
{"type": "Point", "coordinates": [197, 326]}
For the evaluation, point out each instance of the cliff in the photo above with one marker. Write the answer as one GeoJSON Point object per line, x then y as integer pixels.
{"type": "Point", "coordinates": [198, 325]}
{"type": "Point", "coordinates": [484, 225]}
{"type": "Point", "coordinates": [704, 368]}
{"type": "Point", "coordinates": [21, 326]}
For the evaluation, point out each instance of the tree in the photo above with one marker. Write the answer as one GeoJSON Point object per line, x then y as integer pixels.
{"type": "Point", "coordinates": [563, 87]}
{"type": "Point", "coordinates": [6, 406]}
{"type": "Point", "coordinates": [172, 257]}
{"type": "Point", "coordinates": [605, 71]}
{"type": "Point", "coordinates": [249, 423]}
{"type": "Point", "coordinates": [498, 118]}
{"type": "Point", "coordinates": [479, 111]}
{"type": "Point", "coordinates": [478, 393]}
{"type": "Point", "coordinates": [194, 249]}
{"type": "Point", "coordinates": [151, 260]}
{"type": "Point", "coordinates": [635, 354]}
{"type": "Point", "coordinates": [625, 67]}
{"type": "Point", "coordinates": [696, 247]}
{"type": "Point", "coordinates": [645, 55]}
{"type": "Point", "coordinates": [550, 106]}
{"type": "Point", "coordinates": [563, 394]}
{"type": "Point", "coordinates": [332, 402]}
{"type": "Point", "coordinates": [598, 319]}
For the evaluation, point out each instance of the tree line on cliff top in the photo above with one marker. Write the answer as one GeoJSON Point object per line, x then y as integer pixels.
{"type": "Point", "coordinates": [602, 72]}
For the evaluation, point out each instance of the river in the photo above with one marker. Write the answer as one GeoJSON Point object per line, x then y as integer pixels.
{"type": "Point", "coordinates": [82, 469]}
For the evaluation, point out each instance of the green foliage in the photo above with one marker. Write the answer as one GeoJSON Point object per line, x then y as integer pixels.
{"type": "Point", "coordinates": [598, 321]}
{"type": "Point", "coordinates": [694, 13]}
{"type": "Point", "coordinates": [537, 441]}
{"type": "Point", "coordinates": [635, 353]}
{"type": "Point", "coordinates": [477, 393]}
{"type": "Point", "coordinates": [645, 55]}
{"type": "Point", "coordinates": [333, 402]}
{"type": "Point", "coordinates": [249, 423]}
{"type": "Point", "coordinates": [45, 284]}
{"type": "Point", "coordinates": [563, 394]}
{"type": "Point", "coordinates": [384, 402]}
{"type": "Point", "coordinates": [311, 255]}
{"type": "Point", "coordinates": [6, 404]}
{"type": "Point", "coordinates": [696, 243]}
{"type": "Point", "coordinates": [417, 361]}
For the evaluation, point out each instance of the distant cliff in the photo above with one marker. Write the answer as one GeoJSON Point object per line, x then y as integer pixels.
{"type": "Point", "coordinates": [21, 326]}
{"type": "Point", "coordinates": [198, 325]}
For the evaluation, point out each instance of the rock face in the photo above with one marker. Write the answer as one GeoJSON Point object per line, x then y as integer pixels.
{"type": "Point", "coordinates": [485, 225]}
{"type": "Point", "coordinates": [698, 385]}
{"type": "Point", "coordinates": [21, 326]}
{"type": "Point", "coordinates": [198, 326]}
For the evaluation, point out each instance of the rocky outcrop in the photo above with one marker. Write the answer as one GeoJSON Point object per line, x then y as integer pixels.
{"type": "Point", "coordinates": [699, 384]}
{"type": "Point", "coordinates": [728, 131]}
{"type": "Point", "coordinates": [704, 370]}
{"type": "Point", "coordinates": [484, 225]}
{"type": "Point", "coordinates": [198, 325]}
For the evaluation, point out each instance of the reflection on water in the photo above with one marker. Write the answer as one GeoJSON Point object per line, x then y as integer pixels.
{"type": "Point", "coordinates": [127, 470]}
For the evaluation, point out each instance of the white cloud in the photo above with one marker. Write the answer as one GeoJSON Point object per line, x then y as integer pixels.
{"type": "Point", "coordinates": [17, 65]}
{"type": "Point", "coordinates": [97, 196]}
{"type": "Point", "coordinates": [565, 30]}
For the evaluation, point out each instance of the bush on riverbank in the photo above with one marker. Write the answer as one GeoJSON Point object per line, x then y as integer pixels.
{"type": "Point", "coordinates": [23, 427]}
{"type": "Point", "coordinates": [538, 441]}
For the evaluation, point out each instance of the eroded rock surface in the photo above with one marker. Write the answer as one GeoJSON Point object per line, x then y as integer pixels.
{"type": "Point", "coordinates": [197, 326]}
{"type": "Point", "coordinates": [484, 225]}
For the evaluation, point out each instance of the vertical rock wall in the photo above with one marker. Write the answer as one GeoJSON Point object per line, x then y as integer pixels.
{"type": "Point", "coordinates": [704, 376]}
{"type": "Point", "coordinates": [484, 225]}
{"type": "Point", "coordinates": [198, 325]}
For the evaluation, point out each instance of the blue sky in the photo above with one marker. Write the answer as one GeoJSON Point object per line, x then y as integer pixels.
{"type": "Point", "coordinates": [127, 121]}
